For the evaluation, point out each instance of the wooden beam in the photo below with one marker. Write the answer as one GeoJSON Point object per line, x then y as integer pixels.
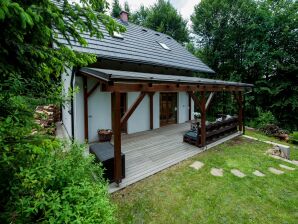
{"type": "Point", "coordinates": [132, 108]}
{"type": "Point", "coordinates": [85, 108]}
{"type": "Point", "coordinates": [93, 89]}
{"type": "Point", "coordinates": [151, 109]}
{"type": "Point", "coordinates": [203, 120]}
{"type": "Point", "coordinates": [209, 100]}
{"type": "Point", "coordinates": [142, 87]}
{"type": "Point", "coordinates": [117, 139]}
{"type": "Point", "coordinates": [195, 99]}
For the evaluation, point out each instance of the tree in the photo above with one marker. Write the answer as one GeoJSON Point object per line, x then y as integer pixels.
{"type": "Point", "coordinates": [31, 61]}
{"type": "Point", "coordinates": [116, 9]}
{"type": "Point", "coordinates": [139, 17]}
{"type": "Point", "coordinates": [126, 7]}
{"type": "Point", "coordinates": [163, 17]}
{"type": "Point", "coordinates": [252, 41]}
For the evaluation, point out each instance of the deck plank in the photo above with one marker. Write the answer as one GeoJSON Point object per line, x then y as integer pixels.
{"type": "Point", "coordinates": [149, 152]}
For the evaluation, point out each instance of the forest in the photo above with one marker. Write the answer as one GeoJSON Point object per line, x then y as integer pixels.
{"type": "Point", "coordinates": [45, 180]}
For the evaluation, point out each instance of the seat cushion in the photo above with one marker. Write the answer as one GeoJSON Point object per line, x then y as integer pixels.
{"type": "Point", "coordinates": [103, 150]}
{"type": "Point", "coordinates": [191, 135]}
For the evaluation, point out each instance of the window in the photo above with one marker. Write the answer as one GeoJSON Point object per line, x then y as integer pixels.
{"type": "Point", "coordinates": [117, 35]}
{"type": "Point", "coordinates": [164, 46]}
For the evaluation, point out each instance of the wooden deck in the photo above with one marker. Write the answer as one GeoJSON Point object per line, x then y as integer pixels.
{"type": "Point", "coordinates": [149, 152]}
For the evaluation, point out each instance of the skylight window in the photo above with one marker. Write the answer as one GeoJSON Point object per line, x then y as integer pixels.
{"type": "Point", "coordinates": [164, 46]}
{"type": "Point", "coordinates": [117, 35]}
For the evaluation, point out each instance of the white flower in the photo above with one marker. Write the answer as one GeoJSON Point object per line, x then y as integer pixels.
{"type": "Point", "coordinates": [197, 114]}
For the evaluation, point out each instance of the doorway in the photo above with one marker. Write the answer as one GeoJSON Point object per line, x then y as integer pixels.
{"type": "Point", "coordinates": [168, 108]}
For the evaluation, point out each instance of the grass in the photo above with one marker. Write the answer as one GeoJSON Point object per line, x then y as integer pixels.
{"type": "Point", "coordinates": [261, 136]}
{"type": "Point", "coordinates": [181, 194]}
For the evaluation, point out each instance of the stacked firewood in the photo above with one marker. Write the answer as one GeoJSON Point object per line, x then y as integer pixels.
{"type": "Point", "coordinates": [274, 130]}
{"type": "Point", "coordinates": [47, 116]}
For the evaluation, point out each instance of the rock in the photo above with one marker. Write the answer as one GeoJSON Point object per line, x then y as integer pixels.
{"type": "Point", "coordinates": [258, 173]}
{"type": "Point", "coordinates": [286, 167]}
{"type": "Point", "coordinates": [237, 173]}
{"type": "Point", "coordinates": [197, 165]}
{"type": "Point", "coordinates": [280, 150]}
{"type": "Point", "coordinates": [275, 171]}
{"type": "Point", "coordinates": [294, 162]}
{"type": "Point", "coordinates": [217, 172]}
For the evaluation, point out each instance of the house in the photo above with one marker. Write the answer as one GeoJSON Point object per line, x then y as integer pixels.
{"type": "Point", "coordinates": [142, 80]}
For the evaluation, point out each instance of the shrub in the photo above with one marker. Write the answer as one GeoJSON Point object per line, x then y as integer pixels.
{"type": "Point", "coordinates": [58, 186]}
{"type": "Point", "coordinates": [44, 180]}
{"type": "Point", "coordinates": [264, 118]}
{"type": "Point", "coordinates": [294, 137]}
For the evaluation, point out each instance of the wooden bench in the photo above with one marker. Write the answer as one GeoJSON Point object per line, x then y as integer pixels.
{"type": "Point", "coordinates": [104, 153]}
{"type": "Point", "coordinates": [214, 131]}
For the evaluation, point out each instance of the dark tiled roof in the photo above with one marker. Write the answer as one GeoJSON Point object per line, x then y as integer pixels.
{"type": "Point", "coordinates": [110, 75]}
{"type": "Point", "coordinates": [141, 45]}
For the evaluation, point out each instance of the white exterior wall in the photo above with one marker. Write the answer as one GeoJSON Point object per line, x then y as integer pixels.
{"type": "Point", "coordinates": [66, 108]}
{"type": "Point", "coordinates": [79, 111]}
{"type": "Point", "coordinates": [140, 119]}
{"type": "Point", "coordinates": [99, 109]}
{"type": "Point", "coordinates": [100, 116]}
{"type": "Point", "coordinates": [183, 107]}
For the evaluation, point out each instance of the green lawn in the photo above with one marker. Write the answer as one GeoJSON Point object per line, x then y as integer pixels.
{"type": "Point", "coordinates": [181, 194]}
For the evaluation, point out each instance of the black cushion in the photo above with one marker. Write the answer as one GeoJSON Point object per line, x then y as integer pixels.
{"type": "Point", "coordinates": [103, 151]}
{"type": "Point", "coordinates": [191, 135]}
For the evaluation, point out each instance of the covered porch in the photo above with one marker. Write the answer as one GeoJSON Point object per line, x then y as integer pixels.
{"type": "Point", "coordinates": [149, 152]}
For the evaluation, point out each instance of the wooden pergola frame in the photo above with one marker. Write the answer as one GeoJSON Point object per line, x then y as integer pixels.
{"type": "Point", "coordinates": [149, 88]}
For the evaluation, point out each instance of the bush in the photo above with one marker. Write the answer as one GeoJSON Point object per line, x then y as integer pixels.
{"type": "Point", "coordinates": [294, 137]}
{"type": "Point", "coordinates": [58, 186]}
{"type": "Point", "coordinates": [264, 118]}
{"type": "Point", "coordinates": [44, 180]}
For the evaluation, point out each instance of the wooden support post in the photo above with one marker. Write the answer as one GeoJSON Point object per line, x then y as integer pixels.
{"type": "Point", "coordinates": [243, 114]}
{"type": "Point", "coordinates": [189, 107]}
{"type": "Point", "coordinates": [240, 112]}
{"type": "Point", "coordinates": [129, 112]}
{"type": "Point", "coordinates": [203, 119]}
{"type": "Point", "coordinates": [117, 139]}
{"type": "Point", "coordinates": [85, 108]}
{"type": "Point", "coordinates": [151, 109]}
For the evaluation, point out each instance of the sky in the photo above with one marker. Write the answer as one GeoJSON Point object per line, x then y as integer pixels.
{"type": "Point", "coordinates": [185, 7]}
